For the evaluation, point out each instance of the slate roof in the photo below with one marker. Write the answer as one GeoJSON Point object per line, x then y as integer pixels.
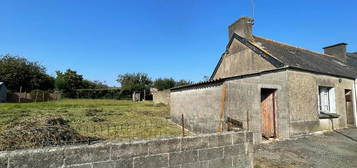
{"type": "Point", "coordinates": [352, 60]}
{"type": "Point", "coordinates": [305, 59]}
{"type": "Point", "coordinates": [284, 56]}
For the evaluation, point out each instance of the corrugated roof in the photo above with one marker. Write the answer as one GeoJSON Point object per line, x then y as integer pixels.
{"type": "Point", "coordinates": [221, 80]}
{"type": "Point", "coordinates": [305, 59]}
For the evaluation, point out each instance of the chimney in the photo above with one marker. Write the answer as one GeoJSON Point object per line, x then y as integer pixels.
{"type": "Point", "coordinates": [337, 50]}
{"type": "Point", "coordinates": [242, 27]}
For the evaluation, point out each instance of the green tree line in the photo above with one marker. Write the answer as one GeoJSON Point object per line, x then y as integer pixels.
{"type": "Point", "coordinates": [18, 72]}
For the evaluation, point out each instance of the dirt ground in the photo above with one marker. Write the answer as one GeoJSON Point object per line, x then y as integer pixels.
{"type": "Point", "coordinates": [337, 149]}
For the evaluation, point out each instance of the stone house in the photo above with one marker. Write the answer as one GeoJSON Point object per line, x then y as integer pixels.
{"type": "Point", "coordinates": [3, 92]}
{"type": "Point", "coordinates": [273, 89]}
{"type": "Point", "coordinates": [160, 96]}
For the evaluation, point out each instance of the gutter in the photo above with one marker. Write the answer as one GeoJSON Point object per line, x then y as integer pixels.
{"type": "Point", "coordinates": [221, 80]}
{"type": "Point", "coordinates": [354, 100]}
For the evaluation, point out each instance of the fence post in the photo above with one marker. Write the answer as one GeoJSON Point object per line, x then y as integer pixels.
{"type": "Point", "coordinates": [183, 125]}
{"type": "Point", "coordinates": [36, 96]}
{"type": "Point", "coordinates": [20, 94]}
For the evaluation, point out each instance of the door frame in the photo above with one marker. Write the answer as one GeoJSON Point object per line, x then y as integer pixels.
{"type": "Point", "coordinates": [272, 91]}
{"type": "Point", "coordinates": [348, 118]}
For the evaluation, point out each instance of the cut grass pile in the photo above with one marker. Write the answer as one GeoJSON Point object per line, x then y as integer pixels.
{"type": "Point", "coordinates": [103, 119]}
{"type": "Point", "coordinates": [38, 132]}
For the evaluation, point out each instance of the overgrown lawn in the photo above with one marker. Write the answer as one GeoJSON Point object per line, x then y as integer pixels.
{"type": "Point", "coordinates": [104, 119]}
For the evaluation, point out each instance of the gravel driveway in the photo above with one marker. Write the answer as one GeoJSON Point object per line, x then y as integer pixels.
{"type": "Point", "coordinates": [336, 149]}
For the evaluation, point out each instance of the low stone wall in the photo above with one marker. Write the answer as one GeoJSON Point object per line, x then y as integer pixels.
{"type": "Point", "coordinates": [198, 106]}
{"type": "Point", "coordinates": [226, 150]}
{"type": "Point", "coordinates": [162, 96]}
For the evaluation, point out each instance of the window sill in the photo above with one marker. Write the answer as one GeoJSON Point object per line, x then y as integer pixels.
{"type": "Point", "coordinates": [328, 115]}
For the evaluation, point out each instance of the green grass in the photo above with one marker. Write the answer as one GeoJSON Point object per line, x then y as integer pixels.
{"type": "Point", "coordinates": [105, 119]}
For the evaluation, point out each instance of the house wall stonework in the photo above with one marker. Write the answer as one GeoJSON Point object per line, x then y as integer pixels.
{"type": "Point", "coordinates": [162, 96]}
{"type": "Point", "coordinates": [242, 103]}
{"type": "Point", "coordinates": [296, 102]}
{"type": "Point", "coordinates": [245, 99]}
{"type": "Point", "coordinates": [241, 60]}
{"type": "Point", "coordinates": [303, 102]}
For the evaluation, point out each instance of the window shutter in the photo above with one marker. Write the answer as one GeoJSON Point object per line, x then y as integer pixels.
{"type": "Point", "coordinates": [324, 98]}
{"type": "Point", "coordinates": [332, 95]}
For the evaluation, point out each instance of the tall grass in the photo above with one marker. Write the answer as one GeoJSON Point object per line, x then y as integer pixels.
{"type": "Point", "coordinates": [97, 113]}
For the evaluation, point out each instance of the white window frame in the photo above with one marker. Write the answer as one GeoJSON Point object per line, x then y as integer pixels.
{"type": "Point", "coordinates": [326, 100]}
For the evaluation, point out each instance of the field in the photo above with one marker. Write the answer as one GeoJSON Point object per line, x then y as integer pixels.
{"type": "Point", "coordinates": [103, 119]}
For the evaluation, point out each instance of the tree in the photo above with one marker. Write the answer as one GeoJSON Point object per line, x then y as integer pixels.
{"type": "Point", "coordinates": [183, 82]}
{"type": "Point", "coordinates": [87, 84]}
{"type": "Point", "coordinates": [68, 82]}
{"type": "Point", "coordinates": [18, 72]}
{"type": "Point", "coordinates": [134, 82]}
{"type": "Point", "coordinates": [164, 83]}
{"type": "Point", "coordinates": [206, 78]}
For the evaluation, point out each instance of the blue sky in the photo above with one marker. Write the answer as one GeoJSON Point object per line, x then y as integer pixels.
{"type": "Point", "coordinates": [182, 39]}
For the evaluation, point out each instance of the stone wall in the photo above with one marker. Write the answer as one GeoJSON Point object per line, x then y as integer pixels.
{"type": "Point", "coordinates": [160, 97]}
{"type": "Point", "coordinates": [244, 99]}
{"type": "Point", "coordinates": [242, 103]}
{"type": "Point", "coordinates": [226, 150]}
{"type": "Point", "coordinates": [303, 102]}
{"type": "Point", "coordinates": [240, 60]}
{"type": "Point", "coordinates": [199, 106]}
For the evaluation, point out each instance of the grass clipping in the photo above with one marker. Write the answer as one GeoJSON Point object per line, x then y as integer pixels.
{"type": "Point", "coordinates": [39, 132]}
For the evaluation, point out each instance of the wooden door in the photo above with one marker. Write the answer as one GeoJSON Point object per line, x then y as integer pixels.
{"type": "Point", "coordinates": [268, 113]}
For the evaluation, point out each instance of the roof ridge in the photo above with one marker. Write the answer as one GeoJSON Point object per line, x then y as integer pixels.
{"type": "Point", "coordinates": [289, 45]}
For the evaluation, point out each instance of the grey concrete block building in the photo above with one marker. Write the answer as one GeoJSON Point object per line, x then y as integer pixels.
{"type": "Point", "coordinates": [273, 89]}
{"type": "Point", "coordinates": [3, 92]}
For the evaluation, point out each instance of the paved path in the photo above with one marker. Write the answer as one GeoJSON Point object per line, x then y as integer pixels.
{"type": "Point", "coordinates": [336, 149]}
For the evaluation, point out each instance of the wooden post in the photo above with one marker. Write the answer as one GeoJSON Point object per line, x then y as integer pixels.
{"type": "Point", "coordinates": [183, 125]}
{"type": "Point", "coordinates": [43, 96]}
{"type": "Point", "coordinates": [36, 96]}
{"type": "Point", "coordinates": [20, 94]}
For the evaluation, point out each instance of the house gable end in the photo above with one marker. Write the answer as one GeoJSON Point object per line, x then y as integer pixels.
{"type": "Point", "coordinates": [243, 57]}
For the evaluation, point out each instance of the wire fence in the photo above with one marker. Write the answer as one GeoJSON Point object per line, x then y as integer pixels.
{"type": "Point", "coordinates": [59, 134]}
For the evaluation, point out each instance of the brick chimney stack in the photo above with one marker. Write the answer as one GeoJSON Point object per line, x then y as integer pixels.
{"type": "Point", "coordinates": [337, 50]}
{"type": "Point", "coordinates": [242, 27]}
